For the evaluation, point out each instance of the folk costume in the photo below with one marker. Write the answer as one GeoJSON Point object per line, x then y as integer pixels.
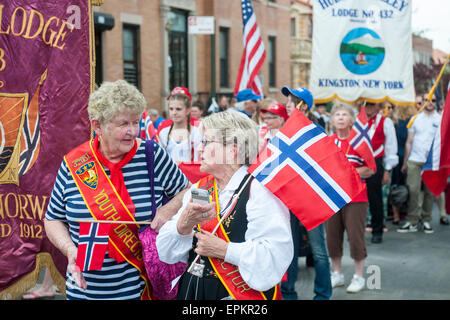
{"type": "Point", "coordinates": [259, 244]}
{"type": "Point", "coordinates": [88, 186]}
{"type": "Point", "coordinates": [384, 146]}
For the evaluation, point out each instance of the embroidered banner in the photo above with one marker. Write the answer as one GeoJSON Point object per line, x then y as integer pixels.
{"type": "Point", "coordinates": [46, 76]}
{"type": "Point", "coordinates": [362, 49]}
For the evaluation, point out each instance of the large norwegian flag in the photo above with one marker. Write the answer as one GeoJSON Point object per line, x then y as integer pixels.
{"type": "Point", "coordinates": [437, 167]}
{"type": "Point", "coordinates": [92, 245]}
{"type": "Point", "coordinates": [360, 140]}
{"type": "Point", "coordinates": [254, 53]}
{"type": "Point", "coordinates": [304, 168]}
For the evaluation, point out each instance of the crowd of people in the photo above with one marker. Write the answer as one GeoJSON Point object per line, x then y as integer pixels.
{"type": "Point", "coordinates": [245, 243]}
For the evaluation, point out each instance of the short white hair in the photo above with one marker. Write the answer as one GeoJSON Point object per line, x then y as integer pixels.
{"type": "Point", "coordinates": [113, 98]}
{"type": "Point", "coordinates": [234, 127]}
{"type": "Point", "coordinates": [346, 107]}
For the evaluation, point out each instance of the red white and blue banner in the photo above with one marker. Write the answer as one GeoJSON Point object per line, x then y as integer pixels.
{"type": "Point", "coordinates": [46, 76]}
{"type": "Point", "coordinates": [362, 49]}
{"type": "Point", "coordinates": [437, 168]}
{"type": "Point", "coordinates": [305, 169]}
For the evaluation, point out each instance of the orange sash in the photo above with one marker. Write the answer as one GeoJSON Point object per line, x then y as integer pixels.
{"type": "Point", "coordinates": [104, 203]}
{"type": "Point", "coordinates": [229, 274]}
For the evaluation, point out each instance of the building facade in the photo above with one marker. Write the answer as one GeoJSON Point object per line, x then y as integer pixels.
{"type": "Point", "coordinates": [301, 42]}
{"type": "Point", "coordinates": [147, 43]}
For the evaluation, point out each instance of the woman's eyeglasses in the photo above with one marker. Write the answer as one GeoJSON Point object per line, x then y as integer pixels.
{"type": "Point", "coordinates": [205, 142]}
{"type": "Point", "coordinates": [270, 118]}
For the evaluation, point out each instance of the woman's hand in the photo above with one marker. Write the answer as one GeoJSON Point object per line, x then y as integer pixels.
{"type": "Point", "coordinates": [194, 214]}
{"type": "Point", "coordinates": [73, 268]}
{"type": "Point", "coordinates": [210, 246]}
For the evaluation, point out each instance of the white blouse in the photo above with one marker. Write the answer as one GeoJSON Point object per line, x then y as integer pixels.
{"type": "Point", "coordinates": [181, 151]}
{"type": "Point", "coordinates": [267, 251]}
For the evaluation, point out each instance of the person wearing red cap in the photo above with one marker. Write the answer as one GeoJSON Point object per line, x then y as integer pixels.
{"type": "Point", "coordinates": [179, 135]}
{"type": "Point", "coordinates": [274, 117]}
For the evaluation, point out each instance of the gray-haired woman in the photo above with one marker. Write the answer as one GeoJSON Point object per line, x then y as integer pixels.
{"type": "Point", "coordinates": [250, 252]}
{"type": "Point", "coordinates": [352, 217]}
{"type": "Point", "coordinates": [107, 179]}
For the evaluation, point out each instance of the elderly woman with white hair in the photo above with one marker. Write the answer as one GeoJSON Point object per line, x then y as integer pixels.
{"type": "Point", "coordinates": [250, 252]}
{"type": "Point", "coordinates": [107, 178]}
{"type": "Point", "coordinates": [352, 217]}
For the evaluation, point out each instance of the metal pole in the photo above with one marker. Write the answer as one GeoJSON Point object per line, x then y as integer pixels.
{"type": "Point", "coordinates": [213, 65]}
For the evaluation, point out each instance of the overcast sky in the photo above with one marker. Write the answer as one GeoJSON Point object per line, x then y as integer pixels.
{"type": "Point", "coordinates": [433, 17]}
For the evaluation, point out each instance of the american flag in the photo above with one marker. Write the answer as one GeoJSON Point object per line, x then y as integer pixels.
{"type": "Point", "coordinates": [254, 52]}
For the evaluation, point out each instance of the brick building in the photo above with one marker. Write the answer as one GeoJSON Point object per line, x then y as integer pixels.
{"type": "Point", "coordinates": [147, 43]}
{"type": "Point", "coordinates": [301, 42]}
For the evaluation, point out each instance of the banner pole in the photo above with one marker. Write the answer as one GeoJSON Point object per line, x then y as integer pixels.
{"type": "Point", "coordinates": [430, 94]}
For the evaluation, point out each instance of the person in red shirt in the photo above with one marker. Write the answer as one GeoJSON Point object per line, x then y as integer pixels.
{"type": "Point", "coordinates": [352, 217]}
{"type": "Point", "coordinates": [385, 151]}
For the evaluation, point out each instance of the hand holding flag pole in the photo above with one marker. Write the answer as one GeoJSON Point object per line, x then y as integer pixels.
{"type": "Point", "coordinates": [430, 94]}
{"type": "Point", "coordinates": [224, 216]}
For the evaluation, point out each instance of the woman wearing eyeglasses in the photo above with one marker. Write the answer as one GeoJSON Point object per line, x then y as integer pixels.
{"type": "Point", "coordinates": [252, 249]}
{"type": "Point", "coordinates": [274, 118]}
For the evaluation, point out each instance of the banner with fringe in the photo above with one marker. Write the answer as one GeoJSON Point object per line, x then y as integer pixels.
{"type": "Point", "coordinates": [46, 76]}
{"type": "Point", "coordinates": [362, 49]}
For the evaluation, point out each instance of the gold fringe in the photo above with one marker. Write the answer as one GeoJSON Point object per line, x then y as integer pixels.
{"type": "Point", "coordinates": [43, 260]}
{"type": "Point", "coordinates": [96, 2]}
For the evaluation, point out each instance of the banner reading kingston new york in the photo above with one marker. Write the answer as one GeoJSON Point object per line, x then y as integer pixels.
{"type": "Point", "coordinates": [45, 82]}
{"type": "Point", "coordinates": [362, 48]}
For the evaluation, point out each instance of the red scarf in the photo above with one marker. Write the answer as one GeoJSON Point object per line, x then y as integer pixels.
{"type": "Point", "coordinates": [116, 177]}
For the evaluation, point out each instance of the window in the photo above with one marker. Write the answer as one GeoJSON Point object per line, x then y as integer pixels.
{"type": "Point", "coordinates": [271, 58]}
{"type": "Point", "coordinates": [98, 58]}
{"type": "Point", "coordinates": [178, 50]}
{"type": "Point", "coordinates": [310, 27]}
{"type": "Point", "coordinates": [292, 27]}
{"type": "Point", "coordinates": [131, 54]}
{"type": "Point", "coordinates": [223, 57]}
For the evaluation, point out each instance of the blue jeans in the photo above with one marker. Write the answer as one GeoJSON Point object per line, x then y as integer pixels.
{"type": "Point", "coordinates": [322, 281]}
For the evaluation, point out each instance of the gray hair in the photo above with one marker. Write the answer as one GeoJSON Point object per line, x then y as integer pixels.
{"type": "Point", "coordinates": [234, 127]}
{"type": "Point", "coordinates": [346, 107]}
{"type": "Point", "coordinates": [113, 98]}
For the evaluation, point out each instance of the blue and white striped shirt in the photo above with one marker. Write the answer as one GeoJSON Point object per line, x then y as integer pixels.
{"type": "Point", "coordinates": [115, 280]}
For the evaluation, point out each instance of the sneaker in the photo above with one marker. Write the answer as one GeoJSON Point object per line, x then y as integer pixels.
{"type": "Point", "coordinates": [427, 228]}
{"type": "Point", "coordinates": [407, 227]}
{"type": "Point", "coordinates": [356, 285]}
{"type": "Point", "coordinates": [337, 279]}
{"type": "Point", "coordinates": [444, 221]}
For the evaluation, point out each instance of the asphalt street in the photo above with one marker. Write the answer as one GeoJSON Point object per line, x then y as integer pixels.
{"type": "Point", "coordinates": [412, 266]}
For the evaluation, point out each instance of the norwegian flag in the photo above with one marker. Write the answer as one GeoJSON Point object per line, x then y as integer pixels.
{"type": "Point", "coordinates": [146, 129]}
{"type": "Point", "coordinates": [254, 53]}
{"type": "Point", "coordinates": [437, 167]}
{"type": "Point", "coordinates": [304, 168]}
{"type": "Point", "coordinates": [360, 140]}
{"type": "Point", "coordinates": [92, 245]}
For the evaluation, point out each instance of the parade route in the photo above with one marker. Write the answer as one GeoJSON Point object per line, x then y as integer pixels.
{"type": "Point", "coordinates": [413, 266]}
